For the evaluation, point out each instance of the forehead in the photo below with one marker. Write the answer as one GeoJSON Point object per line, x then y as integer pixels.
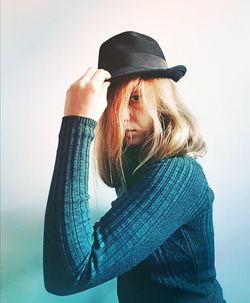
{"type": "Point", "coordinates": [133, 84]}
{"type": "Point", "coordinates": [123, 89]}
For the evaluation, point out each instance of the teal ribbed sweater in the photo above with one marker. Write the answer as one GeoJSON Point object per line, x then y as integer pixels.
{"type": "Point", "coordinates": [157, 238]}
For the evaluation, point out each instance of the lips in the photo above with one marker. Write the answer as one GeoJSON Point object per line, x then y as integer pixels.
{"type": "Point", "coordinates": [130, 132]}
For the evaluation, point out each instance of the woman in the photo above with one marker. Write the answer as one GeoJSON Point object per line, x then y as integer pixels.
{"type": "Point", "coordinates": [157, 238]}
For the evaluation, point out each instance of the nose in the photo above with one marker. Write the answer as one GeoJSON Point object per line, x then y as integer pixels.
{"type": "Point", "coordinates": [127, 114]}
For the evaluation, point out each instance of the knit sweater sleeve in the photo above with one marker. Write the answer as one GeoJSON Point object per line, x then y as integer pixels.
{"type": "Point", "coordinates": [77, 255]}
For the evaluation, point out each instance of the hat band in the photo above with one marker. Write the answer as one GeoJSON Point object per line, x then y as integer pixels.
{"type": "Point", "coordinates": [145, 60]}
{"type": "Point", "coordinates": [136, 60]}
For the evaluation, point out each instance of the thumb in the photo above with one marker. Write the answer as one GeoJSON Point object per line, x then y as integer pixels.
{"type": "Point", "coordinates": [106, 84]}
{"type": "Point", "coordinates": [105, 87]}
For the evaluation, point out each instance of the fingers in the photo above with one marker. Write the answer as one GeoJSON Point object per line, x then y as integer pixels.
{"type": "Point", "coordinates": [99, 77]}
{"type": "Point", "coordinates": [105, 88]}
{"type": "Point", "coordinates": [87, 75]}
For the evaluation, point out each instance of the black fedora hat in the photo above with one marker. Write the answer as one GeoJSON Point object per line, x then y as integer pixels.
{"type": "Point", "coordinates": [131, 53]}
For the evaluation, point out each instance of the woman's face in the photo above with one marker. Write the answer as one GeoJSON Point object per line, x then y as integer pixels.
{"type": "Point", "coordinates": [138, 123]}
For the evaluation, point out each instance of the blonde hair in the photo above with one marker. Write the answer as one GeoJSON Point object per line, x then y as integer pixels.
{"type": "Point", "coordinates": [175, 129]}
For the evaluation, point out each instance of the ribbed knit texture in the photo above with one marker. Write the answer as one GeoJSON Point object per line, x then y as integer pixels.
{"type": "Point", "coordinates": [157, 238]}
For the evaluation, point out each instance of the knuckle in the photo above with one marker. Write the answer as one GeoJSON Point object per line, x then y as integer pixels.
{"type": "Point", "coordinates": [72, 87]}
{"type": "Point", "coordinates": [104, 71]}
{"type": "Point", "coordinates": [69, 90]}
{"type": "Point", "coordinates": [91, 86]}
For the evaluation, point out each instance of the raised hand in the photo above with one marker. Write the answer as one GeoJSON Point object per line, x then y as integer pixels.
{"type": "Point", "coordinates": [87, 96]}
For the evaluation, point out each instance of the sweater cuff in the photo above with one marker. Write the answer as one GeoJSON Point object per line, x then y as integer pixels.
{"type": "Point", "coordinates": [83, 125]}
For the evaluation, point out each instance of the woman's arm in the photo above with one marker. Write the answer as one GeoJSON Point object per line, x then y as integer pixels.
{"type": "Point", "coordinates": [77, 255]}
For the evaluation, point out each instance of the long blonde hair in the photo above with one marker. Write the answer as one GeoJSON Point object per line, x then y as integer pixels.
{"type": "Point", "coordinates": [175, 129]}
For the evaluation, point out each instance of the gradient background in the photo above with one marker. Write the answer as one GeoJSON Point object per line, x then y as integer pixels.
{"type": "Point", "coordinates": [47, 45]}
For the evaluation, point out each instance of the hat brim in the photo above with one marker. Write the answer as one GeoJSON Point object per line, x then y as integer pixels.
{"type": "Point", "coordinates": [175, 73]}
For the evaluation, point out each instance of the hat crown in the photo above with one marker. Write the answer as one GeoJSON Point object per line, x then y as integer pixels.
{"type": "Point", "coordinates": [117, 49]}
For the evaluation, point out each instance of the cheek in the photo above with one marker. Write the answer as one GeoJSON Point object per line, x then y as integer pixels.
{"type": "Point", "coordinates": [142, 118]}
{"type": "Point", "coordinates": [146, 121]}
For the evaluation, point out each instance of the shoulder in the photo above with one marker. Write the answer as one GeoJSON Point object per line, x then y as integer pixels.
{"type": "Point", "coordinates": [179, 159]}
{"type": "Point", "coordinates": [178, 172]}
{"type": "Point", "coordinates": [176, 165]}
